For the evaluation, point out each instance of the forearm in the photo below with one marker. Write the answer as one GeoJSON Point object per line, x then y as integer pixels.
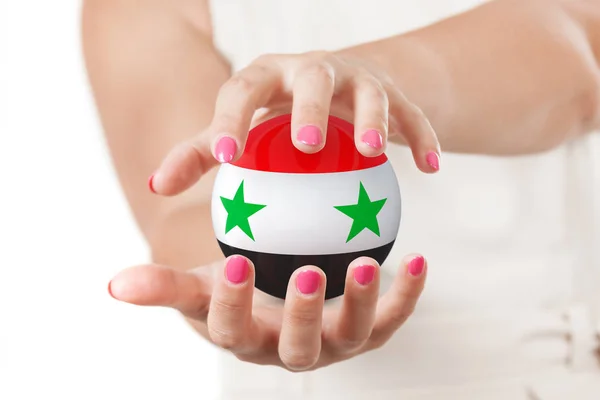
{"type": "Point", "coordinates": [155, 76]}
{"type": "Point", "coordinates": [508, 77]}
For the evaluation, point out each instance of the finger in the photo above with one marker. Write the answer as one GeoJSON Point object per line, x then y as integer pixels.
{"type": "Point", "coordinates": [371, 110]}
{"type": "Point", "coordinates": [156, 285]}
{"type": "Point", "coordinates": [238, 99]}
{"type": "Point", "coordinates": [230, 313]}
{"type": "Point", "coordinates": [416, 130]}
{"type": "Point", "coordinates": [224, 140]}
{"type": "Point", "coordinates": [400, 300]}
{"type": "Point", "coordinates": [300, 338]}
{"type": "Point", "coordinates": [312, 90]}
{"type": "Point", "coordinates": [182, 167]}
{"type": "Point", "coordinates": [357, 312]}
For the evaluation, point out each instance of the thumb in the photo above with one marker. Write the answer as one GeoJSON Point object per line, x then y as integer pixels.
{"type": "Point", "coordinates": [157, 285]}
{"type": "Point", "coordinates": [183, 166]}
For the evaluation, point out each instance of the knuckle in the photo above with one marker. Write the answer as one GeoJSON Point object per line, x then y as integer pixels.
{"type": "Point", "coordinates": [320, 71]}
{"type": "Point", "coordinates": [200, 312]}
{"type": "Point", "coordinates": [319, 55]}
{"type": "Point", "coordinates": [256, 355]}
{"type": "Point", "coordinates": [260, 69]}
{"type": "Point", "coordinates": [226, 121]}
{"type": "Point", "coordinates": [226, 339]}
{"type": "Point", "coordinates": [399, 318]}
{"type": "Point", "coordinates": [312, 108]}
{"type": "Point", "coordinates": [375, 88]}
{"type": "Point", "coordinates": [361, 71]}
{"type": "Point", "coordinates": [302, 319]}
{"type": "Point", "coordinates": [415, 112]}
{"type": "Point", "coordinates": [401, 315]}
{"type": "Point", "coordinates": [264, 59]}
{"type": "Point", "coordinates": [364, 75]}
{"type": "Point", "coordinates": [373, 92]}
{"type": "Point", "coordinates": [352, 342]}
{"type": "Point", "coordinates": [239, 84]}
{"type": "Point", "coordinates": [223, 308]}
{"type": "Point", "coordinates": [377, 342]}
{"type": "Point", "coordinates": [298, 360]}
{"type": "Point", "coordinates": [245, 357]}
{"type": "Point", "coordinates": [386, 80]}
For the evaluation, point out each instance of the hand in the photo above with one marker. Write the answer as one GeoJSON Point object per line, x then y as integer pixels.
{"type": "Point", "coordinates": [304, 333]}
{"type": "Point", "coordinates": [313, 85]}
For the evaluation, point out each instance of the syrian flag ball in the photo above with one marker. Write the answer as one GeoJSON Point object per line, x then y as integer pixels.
{"type": "Point", "coordinates": [284, 209]}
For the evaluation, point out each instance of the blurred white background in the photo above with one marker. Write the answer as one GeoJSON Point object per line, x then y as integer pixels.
{"type": "Point", "coordinates": [65, 230]}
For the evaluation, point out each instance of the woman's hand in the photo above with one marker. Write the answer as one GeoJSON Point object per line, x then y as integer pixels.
{"type": "Point", "coordinates": [304, 333]}
{"type": "Point", "coordinates": [313, 85]}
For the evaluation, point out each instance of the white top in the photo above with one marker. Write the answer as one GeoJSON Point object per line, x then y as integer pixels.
{"type": "Point", "coordinates": [510, 243]}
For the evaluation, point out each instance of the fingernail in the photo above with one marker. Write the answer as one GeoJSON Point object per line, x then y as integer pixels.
{"type": "Point", "coordinates": [109, 290]}
{"type": "Point", "coordinates": [225, 149]}
{"type": "Point", "coordinates": [308, 282]}
{"type": "Point", "coordinates": [236, 270]}
{"type": "Point", "coordinates": [415, 267]}
{"type": "Point", "coordinates": [373, 139]}
{"type": "Point", "coordinates": [151, 184]}
{"type": "Point", "coordinates": [309, 135]}
{"type": "Point", "coordinates": [433, 160]}
{"type": "Point", "coordinates": [364, 274]}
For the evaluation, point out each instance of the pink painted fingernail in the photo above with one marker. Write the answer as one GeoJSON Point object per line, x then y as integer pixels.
{"type": "Point", "coordinates": [364, 274]}
{"type": "Point", "coordinates": [236, 270]}
{"type": "Point", "coordinates": [151, 184]}
{"type": "Point", "coordinates": [110, 290]}
{"type": "Point", "coordinates": [308, 281]}
{"type": "Point", "coordinates": [415, 267]}
{"type": "Point", "coordinates": [309, 135]}
{"type": "Point", "coordinates": [225, 149]}
{"type": "Point", "coordinates": [433, 160]}
{"type": "Point", "coordinates": [373, 139]}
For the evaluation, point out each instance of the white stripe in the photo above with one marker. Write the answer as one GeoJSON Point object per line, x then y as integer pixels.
{"type": "Point", "coordinates": [299, 217]}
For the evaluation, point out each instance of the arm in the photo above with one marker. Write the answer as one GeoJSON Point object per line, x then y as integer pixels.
{"type": "Point", "coordinates": [508, 77]}
{"type": "Point", "coordinates": [155, 74]}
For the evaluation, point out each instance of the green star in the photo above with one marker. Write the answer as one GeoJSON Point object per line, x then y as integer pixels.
{"type": "Point", "coordinates": [364, 214]}
{"type": "Point", "coordinates": [238, 212]}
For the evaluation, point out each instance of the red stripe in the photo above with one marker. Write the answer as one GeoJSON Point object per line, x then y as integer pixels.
{"type": "Point", "coordinates": [269, 148]}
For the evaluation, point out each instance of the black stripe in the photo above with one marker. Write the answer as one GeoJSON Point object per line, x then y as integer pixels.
{"type": "Point", "coordinates": [273, 271]}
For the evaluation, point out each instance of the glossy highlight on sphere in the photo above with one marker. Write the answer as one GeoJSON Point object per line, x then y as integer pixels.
{"type": "Point", "coordinates": [269, 148]}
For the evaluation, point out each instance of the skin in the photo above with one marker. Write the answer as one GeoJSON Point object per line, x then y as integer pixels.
{"type": "Point", "coordinates": [166, 97]}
